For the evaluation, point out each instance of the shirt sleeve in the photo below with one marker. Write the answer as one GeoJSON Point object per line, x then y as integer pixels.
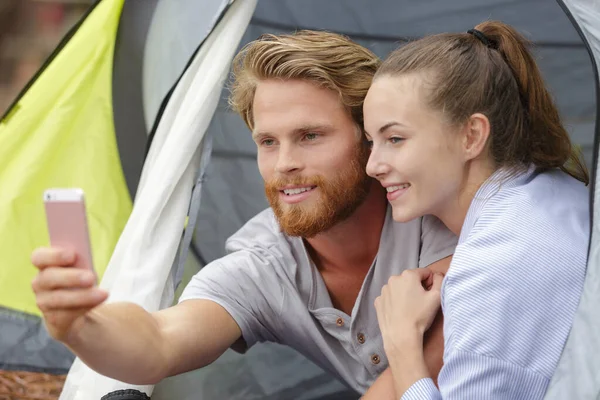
{"type": "Point", "coordinates": [421, 390]}
{"type": "Point", "coordinates": [473, 376]}
{"type": "Point", "coordinates": [244, 284]}
{"type": "Point", "coordinates": [437, 241]}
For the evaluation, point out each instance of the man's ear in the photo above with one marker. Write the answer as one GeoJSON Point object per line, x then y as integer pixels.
{"type": "Point", "coordinates": [477, 132]}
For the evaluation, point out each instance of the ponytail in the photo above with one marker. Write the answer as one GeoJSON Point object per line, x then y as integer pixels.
{"type": "Point", "coordinates": [547, 141]}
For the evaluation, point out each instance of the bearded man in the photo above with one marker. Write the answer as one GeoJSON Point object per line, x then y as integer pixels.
{"type": "Point", "coordinates": [303, 273]}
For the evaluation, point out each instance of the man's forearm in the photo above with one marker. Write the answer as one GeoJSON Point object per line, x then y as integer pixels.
{"type": "Point", "coordinates": [122, 341]}
{"type": "Point", "coordinates": [433, 347]}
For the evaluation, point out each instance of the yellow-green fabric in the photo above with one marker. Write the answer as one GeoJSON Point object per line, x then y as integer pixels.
{"type": "Point", "coordinates": [61, 134]}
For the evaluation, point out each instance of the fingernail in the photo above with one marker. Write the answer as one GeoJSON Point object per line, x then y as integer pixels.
{"type": "Point", "coordinates": [99, 294]}
{"type": "Point", "coordinates": [86, 278]}
{"type": "Point", "coordinates": [67, 256]}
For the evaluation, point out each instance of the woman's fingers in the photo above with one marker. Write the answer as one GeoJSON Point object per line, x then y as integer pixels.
{"type": "Point", "coordinates": [438, 279]}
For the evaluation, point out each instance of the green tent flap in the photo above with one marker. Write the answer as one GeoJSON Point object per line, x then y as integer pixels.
{"type": "Point", "coordinates": [61, 134]}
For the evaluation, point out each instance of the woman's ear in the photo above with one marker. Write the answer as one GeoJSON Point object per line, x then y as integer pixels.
{"type": "Point", "coordinates": [477, 132]}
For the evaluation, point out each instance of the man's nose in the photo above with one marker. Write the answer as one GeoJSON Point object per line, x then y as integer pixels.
{"type": "Point", "coordinates": [288, 160]}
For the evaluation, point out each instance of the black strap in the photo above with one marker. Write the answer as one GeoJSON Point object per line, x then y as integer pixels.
{"type": "Point", "coordinates": [482, 38]}
{"type": "Point", "coordinates": [126, 394]}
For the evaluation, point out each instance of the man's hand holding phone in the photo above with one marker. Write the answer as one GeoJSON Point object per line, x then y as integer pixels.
{"type": "Point", "coordinates": [63, 292]}
{"type": "Point", "coordinates": [113, 339]}
{"type": "Point", "coordinates": [65, 286]}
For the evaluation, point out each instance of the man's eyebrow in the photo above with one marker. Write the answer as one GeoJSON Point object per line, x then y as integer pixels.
{"type": "Point", "coordinates": [314, 127]}
{"type": "Point", "coordinates": [302, 129]}
{"type": "Point", "coordinates": [256, 135]}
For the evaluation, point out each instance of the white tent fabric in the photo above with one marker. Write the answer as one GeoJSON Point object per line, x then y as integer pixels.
{"type": "Point", "coordinates": [578, 373]}
{"type": "Point", "coordinates": [174, 34]}
{"type": "Point", "coordinates": [150, 240]}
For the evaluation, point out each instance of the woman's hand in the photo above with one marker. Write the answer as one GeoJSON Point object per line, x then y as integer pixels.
{"type": "Point", "coordinates": [406, 309]}
{"type": "Point", "coordinates": [407, 306]}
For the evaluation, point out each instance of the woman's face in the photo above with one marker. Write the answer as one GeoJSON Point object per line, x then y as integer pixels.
{"type": "Point", "coordinates": [416, 155]}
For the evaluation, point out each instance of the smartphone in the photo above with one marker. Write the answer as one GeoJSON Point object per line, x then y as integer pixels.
{"type": "Point", "coordinates": [67, 223]}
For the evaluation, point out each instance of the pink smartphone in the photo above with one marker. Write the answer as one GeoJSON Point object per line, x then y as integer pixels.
{"type": "Point", "coordinates": [67, 223]}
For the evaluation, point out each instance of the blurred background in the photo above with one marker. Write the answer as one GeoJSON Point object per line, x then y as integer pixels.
{"type": "Point", "coordinates": [29, 32]}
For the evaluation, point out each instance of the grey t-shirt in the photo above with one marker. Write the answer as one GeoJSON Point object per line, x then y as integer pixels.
{"type": "Point", "coordinates": [272, 289]}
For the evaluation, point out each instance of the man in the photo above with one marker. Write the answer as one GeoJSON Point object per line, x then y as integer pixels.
{"type": "Point", "coordinates": [305, 272]}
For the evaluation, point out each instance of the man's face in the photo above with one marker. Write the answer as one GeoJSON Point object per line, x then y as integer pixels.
{"type": "Point", "coordinates": [310, 154]}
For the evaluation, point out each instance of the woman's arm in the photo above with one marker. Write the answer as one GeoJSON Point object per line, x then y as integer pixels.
{"type": "Point", "coordinates": [382, 389]}
{"type": "Point", "coordinates": [493, 345]}
{"type": "Point", "coordinates": [433, 350]}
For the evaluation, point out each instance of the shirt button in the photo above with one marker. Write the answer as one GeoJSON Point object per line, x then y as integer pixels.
{"type": "Point", "coordinates": [339, 322]}
{"type": "Point", "coordinates": [361, 338]}
{"type": "Point", "coordinates": [375, 359]}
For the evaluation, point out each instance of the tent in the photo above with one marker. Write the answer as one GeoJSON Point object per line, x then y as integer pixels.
{"type": "Point", "coordinates": [142, 82]}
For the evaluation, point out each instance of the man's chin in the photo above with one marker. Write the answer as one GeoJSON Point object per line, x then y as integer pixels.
{"type": "Point", "coordinates": [294, 208]}
{"type": "Point", "coordinates": [300, 222]}
{"type": "Point", "coordinates": [305, 231]}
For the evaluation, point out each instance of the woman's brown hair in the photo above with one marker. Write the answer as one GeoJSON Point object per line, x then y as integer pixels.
{"type": "Point", "coordinates": [499, 79]}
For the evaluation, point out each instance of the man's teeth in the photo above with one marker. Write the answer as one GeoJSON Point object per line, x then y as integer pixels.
{"type": "Point", "coordinates": [394, 188]}
{"type": "Point", "coordinates": [290, 192]}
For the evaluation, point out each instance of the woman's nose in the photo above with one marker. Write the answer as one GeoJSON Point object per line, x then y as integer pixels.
{"type": "Point", "coordinates": [376, 166]}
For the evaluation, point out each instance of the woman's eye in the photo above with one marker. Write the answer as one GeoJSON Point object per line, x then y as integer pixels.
{"type": "Point", "coordinates": [370, 144]}
{"type": "Point", "coordinates": [395, 140]}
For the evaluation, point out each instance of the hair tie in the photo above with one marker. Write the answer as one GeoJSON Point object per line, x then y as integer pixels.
{"type": "Point", "coordinates": [482, 38]}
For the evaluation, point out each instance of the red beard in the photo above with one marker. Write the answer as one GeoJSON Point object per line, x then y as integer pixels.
{"type": "Point", "coordinates": [340, 196]}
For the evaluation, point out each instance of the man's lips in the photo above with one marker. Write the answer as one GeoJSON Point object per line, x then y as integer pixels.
{"type": "Point", "coordinates": [296, 194]}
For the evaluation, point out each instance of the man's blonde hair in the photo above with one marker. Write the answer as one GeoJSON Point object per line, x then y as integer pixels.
{"type": "Point", "coordinates": [326, 59]}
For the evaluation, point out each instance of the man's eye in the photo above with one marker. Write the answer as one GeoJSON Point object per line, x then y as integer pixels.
{"type": "Point", "coordinates": [268, 142]}
{"type": "Point", "coordinates": [311, 136]}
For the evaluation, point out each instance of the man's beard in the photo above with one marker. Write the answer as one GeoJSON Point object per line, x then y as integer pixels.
{"type": "Point", "coordinates": [340, 196]}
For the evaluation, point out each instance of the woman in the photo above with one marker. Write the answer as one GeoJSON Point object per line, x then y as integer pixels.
{"type": "Point", "coordinates": [462, 127]}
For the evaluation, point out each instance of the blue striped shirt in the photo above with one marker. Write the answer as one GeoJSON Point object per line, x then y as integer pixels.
{"type": "Point", "coordinates": [512, 289]}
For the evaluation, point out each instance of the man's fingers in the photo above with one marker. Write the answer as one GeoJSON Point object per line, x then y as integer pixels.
{"type": "Point", "coordinates": [71, 299]}
{"type": "Point", "coordinates": [52, 256]}
{"type": "Point", "coordinates": [53, 278]}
